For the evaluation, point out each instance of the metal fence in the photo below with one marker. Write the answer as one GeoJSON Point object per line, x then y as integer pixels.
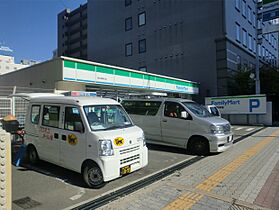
{"type": "Point", "coordinates": [16, 106]}
{"type": "Point", "coordinates": [5, 107]}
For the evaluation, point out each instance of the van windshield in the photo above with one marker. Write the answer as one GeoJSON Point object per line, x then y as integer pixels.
{"type": "Point", "coordinates": [106, 117]}
{"type": "Point", "coordinates": [198, 109]}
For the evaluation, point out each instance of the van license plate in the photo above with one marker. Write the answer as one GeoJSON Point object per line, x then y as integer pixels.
{"type": "Point", "coordinates": [125, 170]}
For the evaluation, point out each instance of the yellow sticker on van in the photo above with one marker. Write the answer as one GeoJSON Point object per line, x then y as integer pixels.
{"type": "Point", "coordinates": [72, 139]}
{"type": "Point", "coordinates": [119, 141]}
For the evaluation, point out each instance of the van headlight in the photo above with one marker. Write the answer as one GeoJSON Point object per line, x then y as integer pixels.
{"type": "Point", "coordinates": [217, 129]}
{"type": "Point", "coordinates": [105, 148]}
{"type": "Point", "coordinates": [142, 138]}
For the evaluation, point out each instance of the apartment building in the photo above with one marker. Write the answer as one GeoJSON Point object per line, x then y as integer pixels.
{"type": "Point", "coordinates": [72, 32]}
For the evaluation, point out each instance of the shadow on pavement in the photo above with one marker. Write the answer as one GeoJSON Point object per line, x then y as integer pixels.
{"type": "Point", "coordinates": [171, 149]}
{"type": "Point", "coordinates": [49, 169]}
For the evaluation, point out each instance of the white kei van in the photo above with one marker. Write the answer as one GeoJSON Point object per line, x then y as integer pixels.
{"type": "Point", "coordinates": [90, 135]}
{"type": "Point", "coordinates": [181, 123]}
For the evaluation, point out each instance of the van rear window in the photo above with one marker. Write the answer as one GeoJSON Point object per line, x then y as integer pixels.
{"type": "Point", "coordinates": [142, 107]}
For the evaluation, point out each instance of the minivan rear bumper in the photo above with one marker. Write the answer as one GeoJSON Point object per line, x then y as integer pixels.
{"type": "Point", "coordinates": [220, 143]}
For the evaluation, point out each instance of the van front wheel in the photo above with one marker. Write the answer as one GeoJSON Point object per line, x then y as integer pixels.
{"type": "Point", "coordinates": [93, 176]}
{"type": "Point", "coordinates": [199, 146]}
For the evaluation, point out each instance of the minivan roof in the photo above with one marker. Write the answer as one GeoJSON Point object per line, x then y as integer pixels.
{"type": "Point", "coordinates": [79, 101]}
{"type": "Point", "coordinates": [160, 99]}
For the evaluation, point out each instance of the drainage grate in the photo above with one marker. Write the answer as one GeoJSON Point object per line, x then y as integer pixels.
{"type": "Point", "coordinates": [26, 203]}
{"type": "Point", "coordinates": [235, 206]}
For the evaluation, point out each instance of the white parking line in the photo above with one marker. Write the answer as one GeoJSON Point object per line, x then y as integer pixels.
{"type": "Point", "coordinates": [250, 129]}
{"type": "Point", "coordinates": [239, 128]}
{"type": "Point", "coordinates": [80, 193]}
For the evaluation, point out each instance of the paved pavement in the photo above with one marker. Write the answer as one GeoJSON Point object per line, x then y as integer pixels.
{"type": "Point", "coordinates": [35, 187]}
{"type": "Point", "coordinates": [244, 177]}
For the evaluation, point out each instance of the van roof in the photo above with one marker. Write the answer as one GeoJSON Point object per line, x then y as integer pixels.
{"type": "Point", "coordinates": [78, 101]}
{"type": "Point", "coordinates": [160, 99]}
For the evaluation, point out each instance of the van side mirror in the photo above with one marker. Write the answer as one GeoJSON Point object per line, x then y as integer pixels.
{"type": "Point", "coordinates": [78, 127]}
{"type": "Point", "coordinates": [184, 114]}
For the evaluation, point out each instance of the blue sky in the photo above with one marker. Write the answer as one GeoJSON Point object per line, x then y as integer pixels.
{"type": "Point", "coordinates": [29, 27]}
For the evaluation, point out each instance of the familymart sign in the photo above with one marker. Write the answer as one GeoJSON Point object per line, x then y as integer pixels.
{"type": "Point", "coordinates": [246, 104]}
{"type": "Point", "coordinates": [96, 73]}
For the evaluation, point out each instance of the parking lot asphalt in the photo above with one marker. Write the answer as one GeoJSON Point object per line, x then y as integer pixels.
{"type": "Point", "coordinates": [47, 186]}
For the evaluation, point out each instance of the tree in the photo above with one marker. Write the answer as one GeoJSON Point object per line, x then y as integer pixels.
{"type": "Point", "coordinates": [243, 83]}
{"type": "Point", "coordinates": [269, 78]}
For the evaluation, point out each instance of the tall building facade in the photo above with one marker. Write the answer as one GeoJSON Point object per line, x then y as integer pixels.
{"type": "Point", "coordinates": [200, 40]}
{"type": "Point", "coordinates": [72, 32]}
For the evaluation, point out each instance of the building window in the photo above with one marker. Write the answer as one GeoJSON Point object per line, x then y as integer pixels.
{"type": "Point", "coordinates": [143, 68]}
{"type": "Point", "coordinates": [141, 19]}
{"type": "Point", "coordinates": [142, 46]}
{"type": "Point", "coordinates": [249, 15]}
{"type": "Point", "coordinates": [250, 42]}
{"type": "Point", "coordinates": [244, 8]}
{"type": "Point", "coordinates": [254, 19]}
{"type": "Point", "coordinates": [237, 4]}
{"type": "Point", "coordinates": [259, 24]}
{"type": "Point", "coordinates": [254, 45]}
{"type": "Point", "coordinates": [238, 61]}
{"type": "Point", "coordinates": [266, 53]}
{"type": "Point", "coordinates": [129, 49]}
{"type": "Point", "coordinates": [128, 24]}
{"type": "Point", "coordinates": [244, 37]}
{"type": "Point", "coordinates": [237, 32]}
{"type": "Point", "coordinates": [128, 2]}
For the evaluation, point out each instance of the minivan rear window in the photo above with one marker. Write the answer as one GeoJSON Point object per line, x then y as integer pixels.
{"type": "Point", "coordinates": [142, 107]}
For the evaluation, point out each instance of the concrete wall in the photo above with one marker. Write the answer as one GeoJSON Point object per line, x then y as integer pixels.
{"type": "Point", "coordinates": [42, 75]}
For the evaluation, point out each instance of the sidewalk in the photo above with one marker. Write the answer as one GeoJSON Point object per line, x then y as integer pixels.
{"type": "Point", "coordinates": [244, 177]}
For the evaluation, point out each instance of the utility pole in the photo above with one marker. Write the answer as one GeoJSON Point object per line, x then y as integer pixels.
{"type": "Point", "coordinates": [259, 41]}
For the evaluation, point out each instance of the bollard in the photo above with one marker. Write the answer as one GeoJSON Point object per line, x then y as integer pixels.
{"type": "Point", "coordinates": [5, 170]}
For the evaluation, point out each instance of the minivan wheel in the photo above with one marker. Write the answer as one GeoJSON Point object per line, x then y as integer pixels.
{"type": "Point", "coordinates": [32, 155]}
{"type": "Point", "coordinates": [93, 176]}
{"type": "Point", "coordinates": [200, 146]}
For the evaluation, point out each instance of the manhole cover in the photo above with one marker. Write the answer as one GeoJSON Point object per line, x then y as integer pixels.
{"type": "Point", "coordinates": [26, 203]}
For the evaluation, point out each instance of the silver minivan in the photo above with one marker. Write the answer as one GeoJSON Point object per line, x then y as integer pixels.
{"type": "Point", "coordinates": [181, 123]}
